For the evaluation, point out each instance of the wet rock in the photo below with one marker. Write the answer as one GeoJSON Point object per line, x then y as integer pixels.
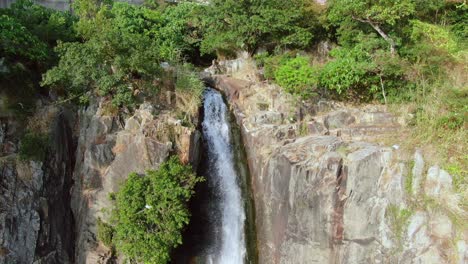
{"type": "Point", "coordinates": [324, 199]}
{"type": "Point", "coordinates": [35, 217]}
{"type": "Point", "coordinates": [2, 132]}
{"type": "Point", "coordinates": [107, 153]}
{"type": "Point", "coordinates": [268, 117]}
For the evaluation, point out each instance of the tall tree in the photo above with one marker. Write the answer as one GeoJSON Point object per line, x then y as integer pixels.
{"type": "Point", "coordinates": [250, 24]}
{"type": "Point", "coordinates": [379, 14]}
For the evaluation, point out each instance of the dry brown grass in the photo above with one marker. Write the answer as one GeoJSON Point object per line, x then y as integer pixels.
{"type": "Point", "coordinates": [41, 121]}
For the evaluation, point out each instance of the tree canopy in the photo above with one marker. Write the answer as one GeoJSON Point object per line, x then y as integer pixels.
{"type": "Point", "coordinates": [377, 14]}
{"type": "Point", "coordinates": [123, 48]}
{"type": "Point", "coordinates": [28, 34]}
{"type": "Point", "coordinates": [250, 24]}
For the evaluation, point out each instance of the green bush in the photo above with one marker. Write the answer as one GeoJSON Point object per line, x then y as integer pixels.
{"type": "Point", "coordinates": [151, 212]}
{"type": "Point", "coordinates": [28, 34]}
{"type": "Point", "coordinates": [270, 63]}
{"type": "Point", "coordinates": [105, 233]}
{"type": "Point", "coordinates": [365, 71]}
{"type": "Point", "coordinates": [33, 146]}
{"type": "Point", "coordinates": [297, 76]}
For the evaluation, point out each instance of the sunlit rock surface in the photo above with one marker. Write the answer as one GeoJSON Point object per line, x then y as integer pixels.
{"type": "Point", "coordinates": [324, 193]}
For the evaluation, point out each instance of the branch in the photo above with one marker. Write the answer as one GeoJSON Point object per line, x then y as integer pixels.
{"type": "Point", "coordinates": [377, 28]}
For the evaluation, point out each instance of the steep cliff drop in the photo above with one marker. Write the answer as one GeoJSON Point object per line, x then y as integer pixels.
{"type": "Point", "coordinates": [231, 246]}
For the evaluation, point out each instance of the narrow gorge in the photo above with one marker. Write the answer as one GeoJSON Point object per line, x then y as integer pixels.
{"type": "Point", "coordinates": [233, 132]}
{"type": "Point", "coordinates": [223, 223]}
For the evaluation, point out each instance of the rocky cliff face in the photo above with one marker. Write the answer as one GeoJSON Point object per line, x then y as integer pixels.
{"type": "Point", "coordinates": [324, 194]}
{"type": "Point", "coordinates": [49, 209]}
{"type": "Point", "coordinates": [109, 149]}
{"type": "Point", "coordinates": [36, 224]}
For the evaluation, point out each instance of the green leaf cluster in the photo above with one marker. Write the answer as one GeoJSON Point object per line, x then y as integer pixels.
{"type": "Point", "coordinates": [124, 46]}
{"type": "Point", "coordinates": [151, 212]}
{"type": "Point", "coordinates": [28, 33]}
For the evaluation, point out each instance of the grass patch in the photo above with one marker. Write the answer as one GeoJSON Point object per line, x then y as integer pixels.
{"type": "Point", "coordinates": [398, 220]}
{"type": "Point", "coordinates": [409, 178]}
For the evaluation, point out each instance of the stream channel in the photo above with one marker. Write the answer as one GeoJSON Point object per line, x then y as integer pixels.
{"type": "Point", "coordinates": [222, 227]}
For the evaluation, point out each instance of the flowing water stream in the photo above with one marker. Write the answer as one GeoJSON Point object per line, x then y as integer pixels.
{"type": "Point", "coordinates": [221, 230]}
{"type": "Point", "coordinates": [216, 130]}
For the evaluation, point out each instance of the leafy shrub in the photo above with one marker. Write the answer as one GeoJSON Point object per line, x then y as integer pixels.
{"type": "Point", "coordinates": [348, 71]}
{"type": "Point", "coordinates": [435, 36]}
{"type": "Point", "coordinates": [28, 33]}
{"type": "Point", "coordinates": [297, 76]}
{"type": "Point", "coordinates": [105, 233]}
{"type": "Point", "coordinates": [270, 63]}
{"type": "Point", "coordinates": [248, 25]}
{"type": "Point", "coordinates": [33, 146]}
{"type": "Point", "coordinates": [121, 53]}
{"type": "Point", "coordinates": [151, 212]}
{"type": "Point", "coordinates": [364, 71]}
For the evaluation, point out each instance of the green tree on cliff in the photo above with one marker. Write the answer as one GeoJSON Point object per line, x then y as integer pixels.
{"type": "Point", "coordinates": [381, 15]}
{"type": "Point", "coordinates": [151, 212]}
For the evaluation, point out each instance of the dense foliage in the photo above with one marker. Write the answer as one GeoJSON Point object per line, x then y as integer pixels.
{"type": "Point", "coordinates": [231, 25]}
{"type": "Point", "coordinates": [151, 212]}
{"type": "Point", "coordinates": [28, 33]}
{"type": "Point", "coordinates": [123, 48]}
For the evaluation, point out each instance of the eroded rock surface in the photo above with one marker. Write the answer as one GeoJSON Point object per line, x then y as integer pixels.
{"type": "Point", "coordinates": [324, 195]}
{"type": "Point", "coordinates": [109, 149]}
{"type": "Point", "coordinates": [49, 209]}
{"type": "Point", "coordinates": [36, 222]}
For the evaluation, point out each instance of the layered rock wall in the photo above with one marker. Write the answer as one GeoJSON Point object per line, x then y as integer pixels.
{"type": "Point", "coordinates": [36, 222]}
{"type": "Point", "coordinates": [109, 149]}
{"type": "Point", "coordinates": [323, 194]}
{"type": "Point", "coordinates": [49, 209]}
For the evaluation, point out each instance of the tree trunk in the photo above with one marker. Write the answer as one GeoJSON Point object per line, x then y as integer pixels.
{"type": "Point", "coordinates": [377, 28]}
{"type": "Point", "coordinates": [385, 36]}
{"type": "Point", "coordinates": [383, 89]}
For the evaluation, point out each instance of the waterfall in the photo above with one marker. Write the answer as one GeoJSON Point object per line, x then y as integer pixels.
{"type": "Point", "coordinates": [230, 245]}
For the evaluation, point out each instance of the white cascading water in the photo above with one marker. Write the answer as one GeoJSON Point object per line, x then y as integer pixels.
{"type": "Point", "coordinates": [216, 129]}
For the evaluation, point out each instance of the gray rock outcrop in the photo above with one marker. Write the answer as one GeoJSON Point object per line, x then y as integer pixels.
{"type": "Point", "coordinates": [36, 223]}
{"type": "Point", "coordinates": [324, 195]}
{"type": "Point", "coordinates": [49, 209]}
{"type": "Point", "coordinates": [109, 149]}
